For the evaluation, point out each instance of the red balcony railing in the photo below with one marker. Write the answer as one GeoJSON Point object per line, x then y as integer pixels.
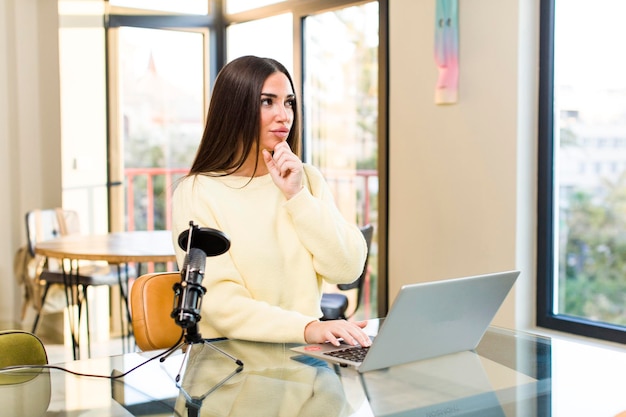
{"type": "Point", "coordinates": [148, 195]}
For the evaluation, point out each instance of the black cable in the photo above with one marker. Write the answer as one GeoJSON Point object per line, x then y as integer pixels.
{"type": "Point", "coordinates": [112, 377]}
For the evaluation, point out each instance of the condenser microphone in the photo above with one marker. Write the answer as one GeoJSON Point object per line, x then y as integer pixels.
{"type": "Point", "coordinates": [189, 291]}
{"type": "Point", "coordinates": [198, 243]}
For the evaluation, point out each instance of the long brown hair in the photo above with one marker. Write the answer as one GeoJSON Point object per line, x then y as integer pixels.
{"type": "Point", "coordinates": [233, 122]}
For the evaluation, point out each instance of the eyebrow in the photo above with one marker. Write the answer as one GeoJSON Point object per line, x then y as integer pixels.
{"type": "Point", "coordinates": [276, 96]}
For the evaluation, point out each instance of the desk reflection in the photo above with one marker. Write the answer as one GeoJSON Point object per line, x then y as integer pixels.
{"type": "Point", "coordinates": [274, 381]}
{"type": "Point", "coordinates": [460, 384]}
{"type": "Point", "coordinates": [25, 393]}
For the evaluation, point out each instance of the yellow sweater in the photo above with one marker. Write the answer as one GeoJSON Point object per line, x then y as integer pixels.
{"type": "Point", "coordinates": [267, 287]}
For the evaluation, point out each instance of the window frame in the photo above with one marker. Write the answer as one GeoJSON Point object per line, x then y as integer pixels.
{"type": "Point", "coordinates": [545, 198]}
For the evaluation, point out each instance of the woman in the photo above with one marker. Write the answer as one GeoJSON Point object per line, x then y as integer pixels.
{"type": "Point", "coordinates": [286, 233]}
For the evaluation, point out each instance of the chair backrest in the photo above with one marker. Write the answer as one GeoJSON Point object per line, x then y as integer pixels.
{"type": "Point", "coordinates": [368, 234]}
{"type": "Point", "coordinates": [21, 348]}
{"type": "Point", "coordinates": [24, 393]}
{"type": "Point", "coordinates": [42, 225]}
{"type": "Point", "coordinates": [151, 303]}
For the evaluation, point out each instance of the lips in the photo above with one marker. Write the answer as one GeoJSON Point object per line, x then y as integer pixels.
{"type": "Point", "coordinates": [281, 133]}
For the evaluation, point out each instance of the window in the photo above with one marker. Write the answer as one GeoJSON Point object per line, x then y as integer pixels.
{"type": "Point", "coordinates": [341, 113]}
{"type": "Point", "coordinates": [236, 6]}
{"type": "Point", "coordinates": [582, 189]}
{"type": "Point", "coordinates": [176, 6]}
{"type": "Point", "coordinates": [150, 119]}
{"type": "Point", "coordinates": [159, 97]}
{"type": "Point", "coordinates": [270, 37]}
{"type": "Point", "coordinates": [334, 55]}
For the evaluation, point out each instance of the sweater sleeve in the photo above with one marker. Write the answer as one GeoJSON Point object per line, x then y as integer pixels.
{"type": "Point", "coordinates": [337, 246]}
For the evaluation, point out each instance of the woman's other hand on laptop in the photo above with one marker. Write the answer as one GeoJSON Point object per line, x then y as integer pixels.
{"type": "Point", "coordinates": [333, 330]}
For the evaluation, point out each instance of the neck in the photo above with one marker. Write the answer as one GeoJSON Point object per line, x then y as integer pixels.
{"type": "Point", "coordinates": [247, 169]}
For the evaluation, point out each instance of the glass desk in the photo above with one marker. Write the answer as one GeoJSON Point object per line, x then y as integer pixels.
{"type": "Point", "coordinates": [509, 374]}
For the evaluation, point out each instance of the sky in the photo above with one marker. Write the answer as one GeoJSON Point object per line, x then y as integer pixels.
{"type": "Point", "coordinates": [589, 42]}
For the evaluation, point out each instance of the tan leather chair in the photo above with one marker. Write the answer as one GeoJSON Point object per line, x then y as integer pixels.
{"type": "Point", "coordinates": [151, 303]}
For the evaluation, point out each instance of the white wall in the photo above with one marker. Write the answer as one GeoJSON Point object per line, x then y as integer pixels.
{"type": "Point", "coordinates": [30, 151]}
{"type": "Point", "coordinates": [7, 244]}
{"type": "Point", "coordinates": [461, 197]}
{"type": "Point", "coordinates": [462, 177]}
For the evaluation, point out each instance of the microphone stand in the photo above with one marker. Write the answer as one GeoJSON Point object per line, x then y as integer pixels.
{"type": "Point", "coordinates": [191, 335]}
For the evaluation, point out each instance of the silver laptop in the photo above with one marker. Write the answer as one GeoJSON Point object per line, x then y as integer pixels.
{"type": "Point", "coordinates": [426, 320]}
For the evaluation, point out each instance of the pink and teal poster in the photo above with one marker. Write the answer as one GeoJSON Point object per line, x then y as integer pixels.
{"type": "Point", "coordinates": [447, 51]}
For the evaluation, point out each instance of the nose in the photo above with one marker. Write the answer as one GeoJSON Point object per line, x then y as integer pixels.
{"type": "Point", "coordinates": [283, 113]}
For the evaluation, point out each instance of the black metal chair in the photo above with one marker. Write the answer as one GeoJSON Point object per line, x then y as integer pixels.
{"type": "Point", "coordinates": [48, 224]}
{"type": "Point", "coordinates": [335, 304]}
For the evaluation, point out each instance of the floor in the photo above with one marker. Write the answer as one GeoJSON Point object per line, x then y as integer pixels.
{"type": "Point", "coordinates": [59, 353]}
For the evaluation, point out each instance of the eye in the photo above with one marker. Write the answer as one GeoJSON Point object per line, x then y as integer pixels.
{"type": "Point", "coordinates": [290, 103]}
{"type": "Point", "coordinates": [266, 101]}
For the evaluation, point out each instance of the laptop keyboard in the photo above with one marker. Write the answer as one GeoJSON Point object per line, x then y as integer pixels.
{"type": "Point", "coordinates": [354, 353]}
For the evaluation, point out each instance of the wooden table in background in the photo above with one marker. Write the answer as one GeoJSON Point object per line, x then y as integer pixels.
{"type": "Point", "coordinates": [119, 248]}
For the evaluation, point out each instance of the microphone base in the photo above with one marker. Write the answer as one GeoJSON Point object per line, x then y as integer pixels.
{"type": "Point", "coordinates": [193, 337]}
